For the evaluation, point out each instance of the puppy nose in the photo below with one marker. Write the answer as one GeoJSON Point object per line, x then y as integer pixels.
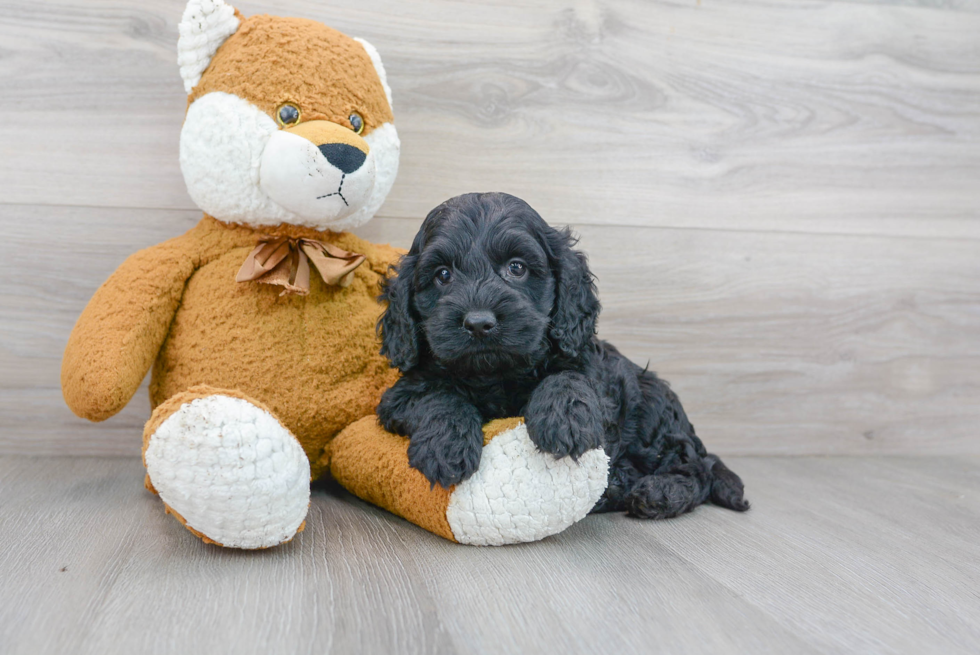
{"type": "Point", "coordinates": [346, 158]}
{"type": "Point", "coordinates": [479, 323]}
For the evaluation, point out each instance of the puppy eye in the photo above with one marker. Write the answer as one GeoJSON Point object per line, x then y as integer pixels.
{"type": "Point", "coordinates": [356, 122]}
{"type": "Point", "coordinates": [517, 268]}
{"type": "Point", "coordinates": [444, 276]}
{"type": "Point", "coordinates": [287, 114]}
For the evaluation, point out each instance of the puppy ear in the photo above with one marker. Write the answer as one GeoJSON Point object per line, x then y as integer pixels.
{"type": "Point", "coordinates": [576, 310]}
{"type": "Point", "coordinates": [397, 327]}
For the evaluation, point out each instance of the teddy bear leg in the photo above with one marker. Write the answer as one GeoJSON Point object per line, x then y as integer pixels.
{"type": "Point", "coordinates": [518, 493]}
{"type": "Point", "coordinates": [227, 469]}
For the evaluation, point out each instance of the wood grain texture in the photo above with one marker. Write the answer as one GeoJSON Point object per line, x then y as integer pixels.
{"type": "Point", "coordinates": [874, 555]}
{"type": "Point", "coordinates": [777, 342]}
{"type": "Point", "coordinates": [779, 199]}
{"type": "Point", "coordinates": [819, 116]}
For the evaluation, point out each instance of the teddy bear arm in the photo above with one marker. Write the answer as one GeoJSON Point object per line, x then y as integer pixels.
{"type": "Point", "coordinates": [118, 335]}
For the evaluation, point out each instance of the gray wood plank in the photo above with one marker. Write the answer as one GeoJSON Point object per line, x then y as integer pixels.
{"type": "Point", "coordinates": [861, 555]}
{"type": "Point", "coordinates": [777, 342]}
{"type": "Point", "coordinates": [837, 555]}
{"type": "Point", "coordinates": [818, 117]}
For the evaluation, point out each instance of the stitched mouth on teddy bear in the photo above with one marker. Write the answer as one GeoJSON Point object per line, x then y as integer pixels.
{"type": "Point", "coordinates": [338, 192]}
{"type": "Point", "coordinates": [316, 181]}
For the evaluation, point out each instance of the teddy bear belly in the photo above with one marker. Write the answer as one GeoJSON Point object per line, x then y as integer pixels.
{"type": "Point", "coordinates": [313, 360]}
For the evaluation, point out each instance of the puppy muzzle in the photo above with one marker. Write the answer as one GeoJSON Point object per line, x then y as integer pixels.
{"type": "Point", "coordinates": [486, 327]}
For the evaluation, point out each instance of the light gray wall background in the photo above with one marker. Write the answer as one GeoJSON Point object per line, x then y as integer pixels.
{"type": "Point", "coordinates": [781, 200]}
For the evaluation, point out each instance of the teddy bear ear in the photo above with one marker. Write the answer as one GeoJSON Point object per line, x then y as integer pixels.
{"type": "Point", "coordinates": [203, 28]}
{"type": "Point", "coordinates": [378, 66]}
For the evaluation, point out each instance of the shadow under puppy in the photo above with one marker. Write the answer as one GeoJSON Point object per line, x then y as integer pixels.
{"type": "Point", "coordinates": [493, 314]}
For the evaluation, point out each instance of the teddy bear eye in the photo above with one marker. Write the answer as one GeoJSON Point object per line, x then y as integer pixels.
{"type": "Point", "coordinates": [287, 114]}
{"type": "Point", "coordinates": [356, 122]}
{"type": "Point", "coordinates": [444, 276]}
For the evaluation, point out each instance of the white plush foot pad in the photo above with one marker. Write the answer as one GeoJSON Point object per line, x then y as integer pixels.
{"type": "Point", "coordinates": [520, 494]}
{"type": "Point", "coordinates": [232, 471]}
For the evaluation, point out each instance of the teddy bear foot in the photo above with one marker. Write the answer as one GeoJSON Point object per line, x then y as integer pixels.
{"type": "Point", "coordinates": [518, 494]}
{"type": "Point", "coordinates": [521, 494]}
{"type": "Point", "coordinates": [227, 469]}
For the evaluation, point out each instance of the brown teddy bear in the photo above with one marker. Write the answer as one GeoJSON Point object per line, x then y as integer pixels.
{"type": "Point", "coordinates": [259, 323]}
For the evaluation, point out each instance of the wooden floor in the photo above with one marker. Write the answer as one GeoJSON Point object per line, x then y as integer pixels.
{"type": "Point", "coordinates": [837, 555]}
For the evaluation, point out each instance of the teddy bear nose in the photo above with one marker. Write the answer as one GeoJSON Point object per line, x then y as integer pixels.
{"type": "Point", "coordinates": [346, 158]}
{"type": "Point", "coordinates": [479, 323]}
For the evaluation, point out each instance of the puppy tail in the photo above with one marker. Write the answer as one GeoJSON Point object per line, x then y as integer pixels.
{"type": "Point", "coordinates": [727, 489]}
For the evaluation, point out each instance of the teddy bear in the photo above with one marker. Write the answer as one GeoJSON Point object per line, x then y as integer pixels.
{"type": "Point", "coordinates": [259, 323]}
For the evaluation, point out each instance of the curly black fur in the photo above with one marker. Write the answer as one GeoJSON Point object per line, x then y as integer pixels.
{"type": "Point", "coordinates": [492, 313]}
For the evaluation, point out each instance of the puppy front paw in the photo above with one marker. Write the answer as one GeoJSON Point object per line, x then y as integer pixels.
{"type": "Point", "coordinates": [446, 454]}
{"type": "Point", "coordinates": [566, 429]}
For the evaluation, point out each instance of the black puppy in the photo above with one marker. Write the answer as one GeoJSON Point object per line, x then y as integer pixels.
{"type": "Point", "coordinates": [493, 314]}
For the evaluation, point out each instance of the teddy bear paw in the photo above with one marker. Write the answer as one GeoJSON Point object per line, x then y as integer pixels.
{"type": "Point", "coordinates": [230, 472]}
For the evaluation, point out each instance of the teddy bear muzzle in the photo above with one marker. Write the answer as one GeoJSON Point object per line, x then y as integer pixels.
{"type": "Point", "coordinates": [318, 169]}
